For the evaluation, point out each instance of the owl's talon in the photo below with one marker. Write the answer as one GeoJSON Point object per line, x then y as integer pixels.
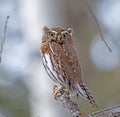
{"type": "Point", "coordinates": [66, 90]}
{"type": "Point", "coordinates": [55, 93]}
{"type": "Point", "coordinates": [58, 91]}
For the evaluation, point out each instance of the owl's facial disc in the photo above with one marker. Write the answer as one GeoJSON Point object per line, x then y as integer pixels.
{"type": "Point", "coordinates": [58, 34]}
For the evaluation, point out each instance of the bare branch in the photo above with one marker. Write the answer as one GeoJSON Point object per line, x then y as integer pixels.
{"type": "Point", "coordinates": [3, 37]}
{"type": "Point", "coordinates": [63, 96]}
{"type": "Point", "coordinates": [99, 28]}
{"type": "Point", "coordinates": [108, 112]}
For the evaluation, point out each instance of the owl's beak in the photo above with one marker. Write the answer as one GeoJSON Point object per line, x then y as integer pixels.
{"type": "Point", "coordinates": [59, 37]}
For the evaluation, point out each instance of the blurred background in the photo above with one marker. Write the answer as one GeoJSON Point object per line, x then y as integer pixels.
{"type": "Point", "coordinates": [25, 88]}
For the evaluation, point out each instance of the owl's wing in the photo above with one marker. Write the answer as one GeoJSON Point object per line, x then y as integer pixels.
{"type": "Point", "coordinates": [51, 62]}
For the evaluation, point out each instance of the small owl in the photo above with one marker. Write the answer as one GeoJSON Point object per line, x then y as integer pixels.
{"type": "Point", "coordinates": [61, 62]}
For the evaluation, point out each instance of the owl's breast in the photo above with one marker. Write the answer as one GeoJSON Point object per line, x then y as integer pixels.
{"type": "Point", "coordinates": [66, 58]}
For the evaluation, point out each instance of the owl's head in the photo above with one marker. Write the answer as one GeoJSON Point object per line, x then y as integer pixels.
{"type": "Point", "coordinates": [57, 34]}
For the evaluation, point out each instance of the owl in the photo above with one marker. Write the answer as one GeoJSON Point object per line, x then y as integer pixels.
{"type": "Point", "coordinates": [61, 62]}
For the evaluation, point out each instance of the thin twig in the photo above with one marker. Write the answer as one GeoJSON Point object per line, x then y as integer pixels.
{"type": "Point", "coordinates": [99, 28]}
{"type": "Point", "coordinates": [3, 37]}
{"type": "Point", "coordinates": [108, 112]}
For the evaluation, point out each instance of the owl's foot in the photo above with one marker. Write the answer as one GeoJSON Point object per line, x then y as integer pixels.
{"type": "Point", "coordinates": [58, 91]}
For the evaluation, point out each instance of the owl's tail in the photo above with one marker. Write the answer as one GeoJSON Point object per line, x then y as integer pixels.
{"type": "Point", "coordinates": [84, 91]}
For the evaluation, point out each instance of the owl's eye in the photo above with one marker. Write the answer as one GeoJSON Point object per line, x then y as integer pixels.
{"type": "Point", "coordinates": [65, 35]}
{"type": "Point", "coordinates": [51, 34]}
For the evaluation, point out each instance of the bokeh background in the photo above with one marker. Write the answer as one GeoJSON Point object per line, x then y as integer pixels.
{"type": "Point", "coordinates": [25, 88]}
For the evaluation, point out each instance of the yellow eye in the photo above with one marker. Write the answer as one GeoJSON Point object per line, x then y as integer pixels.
{"type": "Point", "coordinates": [65, 35]}
{"type": "Point", "coordinates": [51, 34]}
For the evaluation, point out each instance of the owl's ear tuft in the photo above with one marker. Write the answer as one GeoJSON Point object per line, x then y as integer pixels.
{"type": "Point", "coordinates": [70, 31]}
{"type": "Point", "coordinates": [45, 29]}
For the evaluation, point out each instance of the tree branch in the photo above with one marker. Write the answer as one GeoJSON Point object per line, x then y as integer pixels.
{"type": "Point", "coordinates": [63, 96]}
{"type": "Point", "coordinates": [3, 37]}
